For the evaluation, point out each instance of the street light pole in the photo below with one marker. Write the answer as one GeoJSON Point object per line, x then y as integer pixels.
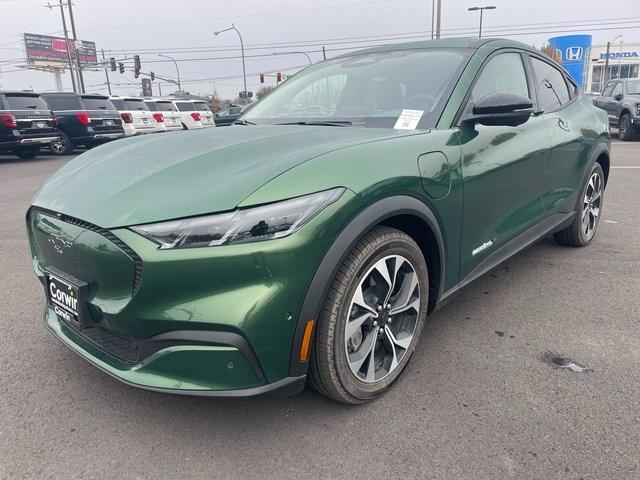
{"type": "Point", "coordinates": [244, 72]}
{"type": "Point", "coordinates": [482, 9]}
{"type": "Point", "coordinates": [177, 69]}
{"type": "Point", "coordinates": [294, 53]}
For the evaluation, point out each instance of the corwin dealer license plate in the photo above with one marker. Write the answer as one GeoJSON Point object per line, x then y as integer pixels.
{"type": "Point", "coordinates": [63, 298]}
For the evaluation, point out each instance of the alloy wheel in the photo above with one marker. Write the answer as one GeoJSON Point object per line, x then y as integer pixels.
{"type": "Point", "coordinates": [591, 205]}
{"type": "Point", "coordinates": [58, 146]}
{"type": "Point", "coordinates": [382, 318]}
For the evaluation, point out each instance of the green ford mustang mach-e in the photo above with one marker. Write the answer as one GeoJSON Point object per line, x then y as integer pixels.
{"type": "Point", "coordinates": [309, 242]}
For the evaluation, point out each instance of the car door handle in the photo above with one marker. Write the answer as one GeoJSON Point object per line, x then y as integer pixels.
{"type": "Point", "coordinates": [563, 125]}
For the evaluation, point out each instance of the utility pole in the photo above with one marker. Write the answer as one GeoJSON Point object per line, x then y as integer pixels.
{"type": "Point", "coordinates": [438, 18]}
{"type": "Point", "coordinates": [433, 18]}
{"type": "Point", "coordinates": [75, 40]}
{"type": "Point", "coordinates": [606, 64]}
{"type": "Point", "coordinates": [159, 90]}
{"type": "Point", "coordinates": [324, 53]}
{"type": "Point", "coordinates": [106, 72]}
{"type": "Point", "coordinates": [66, 41]}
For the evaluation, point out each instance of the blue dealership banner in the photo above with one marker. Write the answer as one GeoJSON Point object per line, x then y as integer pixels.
{"type": "Point", "coordinates": [574, 51]}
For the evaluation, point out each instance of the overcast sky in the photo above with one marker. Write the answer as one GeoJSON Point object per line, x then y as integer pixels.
{"type": "Point", "coordinates": [153, 27]}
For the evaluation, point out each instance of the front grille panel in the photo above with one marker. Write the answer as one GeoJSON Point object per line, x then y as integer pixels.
{"type": "Point", "coordinates": [137, 261]}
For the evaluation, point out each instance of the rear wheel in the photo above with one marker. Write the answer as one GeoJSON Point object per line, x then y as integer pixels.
{"type": "Point", "coordinates": [371, 319]}
{"type": "Point", "coordinates": [626, 130]}
{"type": "Point", "coordinates": [62, 146]}
{"type": "Point", "coordinates": [588, 211]}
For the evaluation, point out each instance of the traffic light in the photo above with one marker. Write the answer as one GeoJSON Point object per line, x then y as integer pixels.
{"type": "Point", "coordinates": [278, 77]}
{"type": "Point", "coordinates": [136, 66]}
{"type": "Point", "coordinates": [112, 64]}
{"type": "Point", "coordinates": [262, 78]}
{"type": "Point", "coordinates": [121, 67]}
{"type": "Point", "coordinates": [152, 76]}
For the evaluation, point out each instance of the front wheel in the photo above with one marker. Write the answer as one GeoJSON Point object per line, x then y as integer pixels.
{"type": "Point", "coordinates": [371, 319]}
{"type": "Point", "coordinates": [588, 211]}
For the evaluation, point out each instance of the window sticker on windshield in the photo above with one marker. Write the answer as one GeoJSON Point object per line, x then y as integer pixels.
{"type": "Point", "coordinates": [408, 119]}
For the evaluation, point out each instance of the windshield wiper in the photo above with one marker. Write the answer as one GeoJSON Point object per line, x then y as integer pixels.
{"type": "Point", "coordinates": [324, 123]}
{"type": "Point", "coordinates": [243, 122]}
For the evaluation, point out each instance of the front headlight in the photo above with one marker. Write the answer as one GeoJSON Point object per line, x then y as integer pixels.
{"type": "Point", "coordinates": [252, 224]}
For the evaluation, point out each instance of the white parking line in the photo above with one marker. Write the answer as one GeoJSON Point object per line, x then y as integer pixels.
{"type": "Point", "coordinates": [629, 166]}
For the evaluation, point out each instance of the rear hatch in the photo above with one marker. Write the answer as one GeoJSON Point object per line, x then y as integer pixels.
{"type": "Point", "coordinates": [105, 118]}
{"type": "Point", "coordinates": [142, 116]}
{"type": "Point", "coordinates": [33, 117]}
{"type": "Point", "coordinates": [169, 112]}
{"type": "Point", "coordinates": [206, 115]}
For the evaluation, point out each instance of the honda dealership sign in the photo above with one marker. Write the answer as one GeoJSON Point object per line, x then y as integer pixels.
{"type": "Point", "coordinates": [43, 50]}
{"type": "Point", "coordinates": [574, 51]}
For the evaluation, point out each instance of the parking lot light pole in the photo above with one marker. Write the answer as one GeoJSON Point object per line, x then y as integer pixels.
{"type": "Point", "coordinates": [244, 72]}
{"type": "Point", "coordinates": [482, 9]}
{"type": "Point", "coordinates": [177, 69]}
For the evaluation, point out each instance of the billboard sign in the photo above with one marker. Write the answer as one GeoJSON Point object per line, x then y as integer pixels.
{"type": "Point", "coordinates": [43, 50]}
{"type": "Point", "coordinates": [574, 52]}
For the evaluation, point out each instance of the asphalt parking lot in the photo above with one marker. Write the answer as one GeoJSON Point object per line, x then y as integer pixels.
{"type": "Point", "coordinates": [476, 401]}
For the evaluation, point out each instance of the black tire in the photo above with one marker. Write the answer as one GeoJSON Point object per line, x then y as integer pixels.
{"type": "Point", "coordinates": [574, 235]}
{"type": "Point", "coordinates": [626, 130]}
{"type": "Point", "coordinates": [62, 146]}
{"type": "Point", "coordinates": [330, 372]}
{"type": "Point", "coordinates": [28, 153]}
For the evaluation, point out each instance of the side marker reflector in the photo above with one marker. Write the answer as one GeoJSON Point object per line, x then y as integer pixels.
{"type": "Point", "coordinates": [306, 341]}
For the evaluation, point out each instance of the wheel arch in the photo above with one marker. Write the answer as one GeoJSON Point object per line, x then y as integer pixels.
{"type": "Point", "coordinates": [405, 213]}
{"type": "Point", "coordinates": [600, 154]}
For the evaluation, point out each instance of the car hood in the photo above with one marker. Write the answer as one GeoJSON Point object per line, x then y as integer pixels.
{"type": "Point", "coordinates": [173, 175]}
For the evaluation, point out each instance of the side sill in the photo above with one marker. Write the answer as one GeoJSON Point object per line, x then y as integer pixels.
{"type": "Point", "coordinates": [550, 224]}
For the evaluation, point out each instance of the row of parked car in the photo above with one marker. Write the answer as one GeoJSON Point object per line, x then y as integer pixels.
{"type": "Point", "coordinates": [64, 121]}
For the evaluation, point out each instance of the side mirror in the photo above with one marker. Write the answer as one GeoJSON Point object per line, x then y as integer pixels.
{"type": "Point", "coordinates": [617, 97]}
{"type": "Point", "coordinates": [501, 109]}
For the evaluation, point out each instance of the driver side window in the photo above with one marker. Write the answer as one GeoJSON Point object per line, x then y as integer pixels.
{"type": "Point", "coordinates": [617, 90]}
{"type": "Point", "coordinates": [503, 73]}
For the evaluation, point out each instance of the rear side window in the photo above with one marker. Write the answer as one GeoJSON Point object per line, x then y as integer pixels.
{"type": "Point", "coordinates": [26, 102]}
{"type": "Point", "coordinates": [185, 106]}
{"type": "Point", "coordinates": [152, 105]}
{"type": "Point", "coordinates": [98, 103]}
{"type": "Point", "coordinates": [503, 73]}
{"type": "Point", "coordinates": [119, 104]}
{"type": "Point", "coordinates": [552, 87]}
{"type": "Point", "coordinates": [165, 107]}
{"type": "Point", "coordinates": [63, 102]}
{"type": "Point", "coordinates": [131, 104]}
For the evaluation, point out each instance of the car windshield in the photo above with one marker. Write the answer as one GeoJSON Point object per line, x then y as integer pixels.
{"type": "Point", "coordinates": [98, 103]}
{"type": "Point", "coordinates": [633, 88]}
{"type": "Point", "coordinates": [397, 89]}
{"type": "Point", "coordinates": [26, 102]}
{"type": "Point", "coordinates": [63, 102]}
{"type": "Point", "coordinates": [133, 104]}
{"type": "Point", "coordinates": [201, 106]}
{"type": "Point", "coordinates": [185, 106]}
{"type": "Point", "coordinates": [164, 106]}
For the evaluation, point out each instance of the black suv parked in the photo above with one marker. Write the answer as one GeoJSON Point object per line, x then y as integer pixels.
{"type": "Point", "coordinates": [25, 124]}
{"type": "Point", "coordinates": [83, 120]}
{"type": "Point", "coordinates": [621, 100]}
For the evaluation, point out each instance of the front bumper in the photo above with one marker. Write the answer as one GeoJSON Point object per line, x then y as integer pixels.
{"type": "Point", "coordinates": [212, 369]}
{"type": "Point", "coordinates": [218, 321]}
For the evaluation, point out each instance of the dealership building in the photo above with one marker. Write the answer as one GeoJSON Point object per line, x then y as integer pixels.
{"type": "Point", "coordinates": [587, 63]}
{"type": "Point", "coordinates": [624, 62]}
